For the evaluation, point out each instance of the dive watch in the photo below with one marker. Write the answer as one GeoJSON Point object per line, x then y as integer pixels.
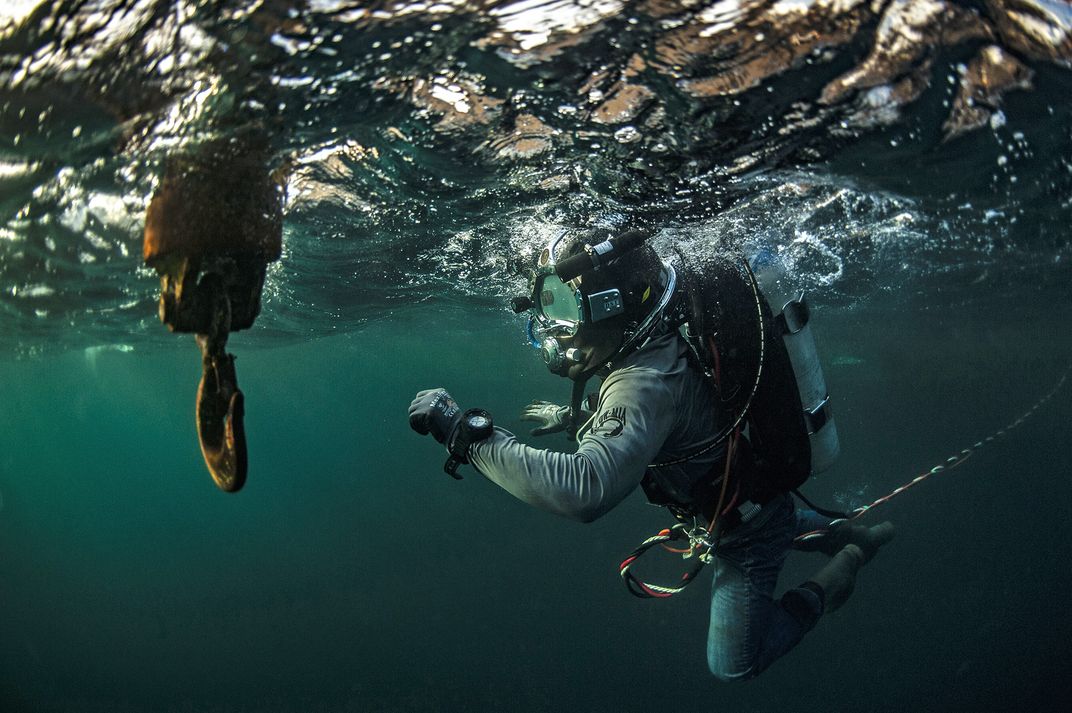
{"type": "Point", "coordinates": [475, 426]}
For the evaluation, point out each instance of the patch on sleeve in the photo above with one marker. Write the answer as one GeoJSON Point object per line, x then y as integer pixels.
{"type": "Point", "coordinates": [611, 423]}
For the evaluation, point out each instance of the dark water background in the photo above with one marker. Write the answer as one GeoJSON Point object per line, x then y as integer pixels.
{"type": "Point", "coordinates": [351, 574]}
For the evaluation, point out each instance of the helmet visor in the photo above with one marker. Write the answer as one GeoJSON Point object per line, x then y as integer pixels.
{"type": "Point", "coordinates": [556, 302]}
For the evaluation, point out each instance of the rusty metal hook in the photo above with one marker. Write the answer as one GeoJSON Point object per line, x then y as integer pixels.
{"type": "Point", "coordinates": [220, 403]}
{"type": "Point", "coordinates": [220, 418]}
{"type": "Point", "coordinates": [211, 228]}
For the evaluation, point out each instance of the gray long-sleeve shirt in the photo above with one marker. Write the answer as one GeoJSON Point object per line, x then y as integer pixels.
{"type": "Point", "coordinates": [653, 408]}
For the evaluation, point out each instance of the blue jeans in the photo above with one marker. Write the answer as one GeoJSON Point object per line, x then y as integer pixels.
{"type": "Point", "coordinates": [749, 630]}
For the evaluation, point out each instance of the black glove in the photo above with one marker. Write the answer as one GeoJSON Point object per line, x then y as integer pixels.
{"type": "Point", "coordinates": [434, 411]}
{"type": "Point", "coordinates": [551, 417]}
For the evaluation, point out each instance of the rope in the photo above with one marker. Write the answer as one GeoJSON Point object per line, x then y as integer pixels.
{"type": "Point", "coordinates": [645, 590]}
{"type": "Point", "coordinates": [704, 539]}
{"type": "Point", "coordinates": [948, 464]}
{"type": "Point", "coordinates": [700, 537]}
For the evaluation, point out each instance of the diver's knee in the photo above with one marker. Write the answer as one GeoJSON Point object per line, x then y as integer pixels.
{"type": "Point", "coordinates": [725, 676]}
{"type": "Point", "coordinates": [725, 671]}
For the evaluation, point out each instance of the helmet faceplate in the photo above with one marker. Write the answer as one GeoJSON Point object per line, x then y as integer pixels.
{"type": "Point", "coordinates": [561, 310]}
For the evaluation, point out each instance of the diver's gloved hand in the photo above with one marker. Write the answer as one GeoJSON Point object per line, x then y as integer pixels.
{"type": "Point", "coordinates": [434, 411]}
{"type": "Point", "coordinates": [551, 417]}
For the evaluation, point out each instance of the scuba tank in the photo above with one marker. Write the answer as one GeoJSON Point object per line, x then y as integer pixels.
{"type": "Point", "coordinates": [792, 315]}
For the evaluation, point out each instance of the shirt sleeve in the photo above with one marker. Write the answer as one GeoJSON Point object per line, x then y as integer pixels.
{"type": "Point", "coordinates": [633, 419]}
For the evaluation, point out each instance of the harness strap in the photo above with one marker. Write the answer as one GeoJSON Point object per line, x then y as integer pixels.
{"type": "Point", "coordinates": [717, 377]}
{"type": "Point", "coordinates": [702, 539]}
{"type": "Point", "coordinates": [576, 397]}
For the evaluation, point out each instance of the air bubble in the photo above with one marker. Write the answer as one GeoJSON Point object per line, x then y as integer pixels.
{"type": "Point", "coordinates": [627, 135]}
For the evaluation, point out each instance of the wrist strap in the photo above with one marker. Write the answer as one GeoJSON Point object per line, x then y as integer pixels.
{"type": "Point", "coordinates": [458, 448]}
{"type": "Point", "coordinates": [459, 440]}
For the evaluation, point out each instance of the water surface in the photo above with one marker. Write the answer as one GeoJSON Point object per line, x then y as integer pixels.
{"type": "Point", "coordinates": [427, 152]}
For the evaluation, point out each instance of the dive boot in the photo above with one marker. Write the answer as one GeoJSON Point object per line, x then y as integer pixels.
{"type": "Point", "coordinates": [868, 539]}
{"type": "Point", "coordinates": [838, 577]}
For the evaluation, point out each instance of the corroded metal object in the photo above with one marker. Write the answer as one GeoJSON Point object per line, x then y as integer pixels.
{"type": "Point", "coordinates": [220, 416]}
{"type": "Point", "coordinates": [210, 231]}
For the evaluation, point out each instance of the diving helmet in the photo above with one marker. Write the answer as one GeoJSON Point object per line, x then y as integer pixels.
{"type": "Point", "coordinates": [594, 298]}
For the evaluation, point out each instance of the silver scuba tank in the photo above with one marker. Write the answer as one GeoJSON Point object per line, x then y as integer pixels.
{"type": "Point", "coordinates": [791, 313]}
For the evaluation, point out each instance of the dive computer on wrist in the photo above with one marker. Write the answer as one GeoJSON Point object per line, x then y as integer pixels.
{"type": "Point", "coordinates": [475, 425]}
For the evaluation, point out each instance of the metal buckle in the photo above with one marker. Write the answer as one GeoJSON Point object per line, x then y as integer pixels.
{"type": "Point", "coordinates": [795, 315]}
{"type": "Point", "coordinates": [817, 417]}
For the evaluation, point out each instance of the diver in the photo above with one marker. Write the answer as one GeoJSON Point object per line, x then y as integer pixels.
{"type": "Point", "coordinates": [698, 405]}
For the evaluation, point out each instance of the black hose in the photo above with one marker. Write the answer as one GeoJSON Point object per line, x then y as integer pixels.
{"type": "Point", "coordinates": [822, 511]}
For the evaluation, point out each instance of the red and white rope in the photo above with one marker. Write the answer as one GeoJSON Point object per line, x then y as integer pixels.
{"type": "Point", "coordinates": [950, 462]}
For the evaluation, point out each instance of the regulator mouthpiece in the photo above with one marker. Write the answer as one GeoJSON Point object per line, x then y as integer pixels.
{"type": "Point", "coordinates": [556, 357]}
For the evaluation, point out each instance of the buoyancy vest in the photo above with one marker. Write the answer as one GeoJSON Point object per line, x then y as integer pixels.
{"type": "Point", "coordinates": [725, 316]}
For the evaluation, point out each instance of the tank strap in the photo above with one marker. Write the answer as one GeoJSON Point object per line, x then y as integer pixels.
{"type": "Point", "coordinates": [795, 315]}
{"type": "Point", "coordinates": [818, 417]}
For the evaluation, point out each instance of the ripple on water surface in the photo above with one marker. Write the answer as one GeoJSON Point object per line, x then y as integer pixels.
{"type": "Point", "coordinates": [428, 149]}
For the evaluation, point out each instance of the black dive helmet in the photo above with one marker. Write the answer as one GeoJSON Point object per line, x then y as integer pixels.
{"type": "Point", "coordinates": [594, 299]}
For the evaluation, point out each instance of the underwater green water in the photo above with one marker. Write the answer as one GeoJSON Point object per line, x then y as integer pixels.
{"type": "Point", "coordinates": [351, 574]}
{"type": "Point", "coordinates": [426, 152]}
